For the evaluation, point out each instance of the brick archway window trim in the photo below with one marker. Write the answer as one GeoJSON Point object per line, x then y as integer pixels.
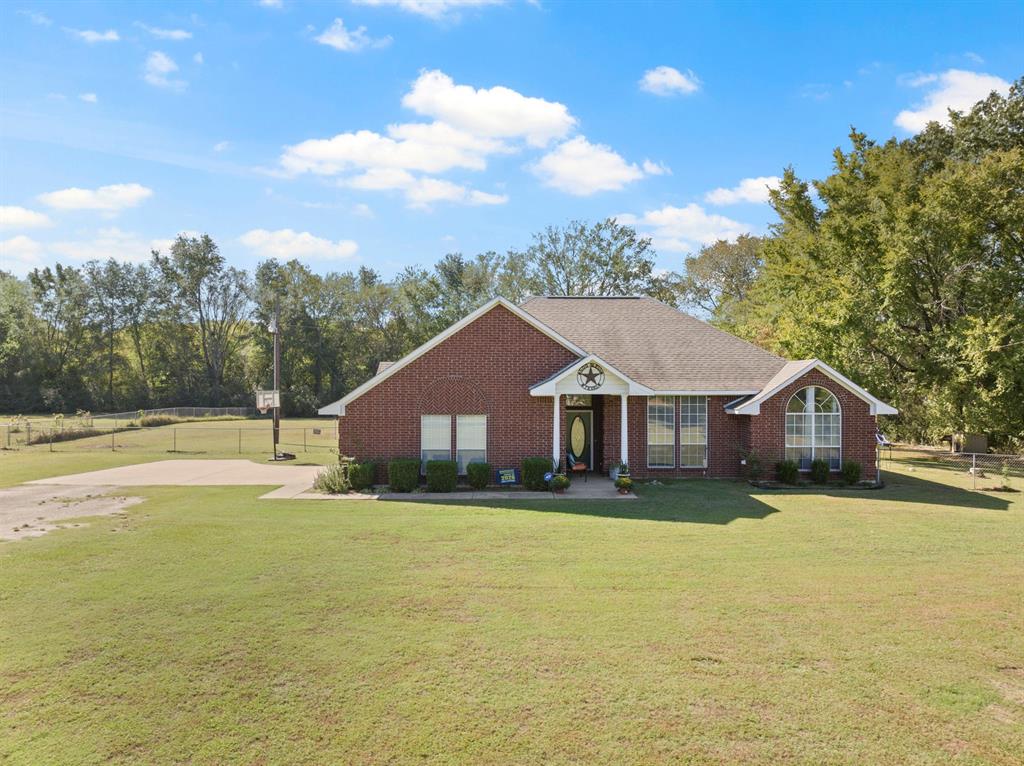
{"type": "Point", "coordinates": [814, 428]}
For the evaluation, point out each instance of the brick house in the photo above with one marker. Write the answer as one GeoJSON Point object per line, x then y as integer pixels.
{"type": "Point", "coordinates": [610, 380]}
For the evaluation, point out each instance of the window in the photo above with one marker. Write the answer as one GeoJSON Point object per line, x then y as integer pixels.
{"type": "Point", "coordinates": [661, 432]}
{"type": "Point", "coordinates": [435, 438]}
{"type": "Point", "coordinates": [470, 440]}
{"type": "Point", "coordinates": [693, 431]}
{"type": "Point", "coordinates": [813, 428]}
{"type": "Point", "coordinates": [578, 400]}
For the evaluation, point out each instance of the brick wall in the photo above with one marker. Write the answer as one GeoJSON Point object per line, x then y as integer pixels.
{"type": "Point", "coordinates": [768, 430]}
{"type": "Point", "coordinates": [486, 368]}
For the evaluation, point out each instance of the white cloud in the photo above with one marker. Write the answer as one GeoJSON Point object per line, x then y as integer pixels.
{"type": "Point", "coordinates": [432, 9]}
{"type": "Point", "coordinates": [270, 3]}
{"type": "Point", "coordinates": [682, 229]}
{"type": "Point", "coordinates": [954, 89]}
{"type": "Point", "coordinates": [363, 210]}
{"type": "Point", "coordinates": [498, 112]}
{"type": "Point", "coordinates": [286, 244]}
{"type": "Point", "coordinates": [111, 199]}
{"type": "Point", "coordinates": [656, 168]}
{"type": "Point", "coordinates": [754, 190]}
{"type": "Point", "coordinates": [426, 147]}
{"type": "Point", "coordinates": [19, 255]}
{"type": "Point", "coordinates": [110, 243]}
{"type": "Point", "coordinates": [165, 34]}
{"type": "Point", "coordinates": [159, 66]}
{"type": "Point", "coordinates": [89, 98]}
{"type": "Point", "coordinates": [669, 81]}
{"type": "Point", "coordinates": [221, 146]}
{"type": "Point", "coordinates": [582, 168]}
{"type": "Point", "coordinates": [92, 36]}
{"type": "Point", "coordinates": [421, 192]}
{"type": "Point", "coordinates": [15, 217]}
{"type": "Point", "coordinates": [37, 18]}
{"type": "Point", "coordinates": [972, 56]}
{"type": "Point", "coordinates": [342, 39]}
{"type": "Point", "coordinates": [198, 58]}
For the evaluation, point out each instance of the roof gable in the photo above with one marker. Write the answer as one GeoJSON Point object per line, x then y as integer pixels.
{"type": "Point", "coordinates": [658, 346]}
{"type": "Point", "coordinates": [338, 407]}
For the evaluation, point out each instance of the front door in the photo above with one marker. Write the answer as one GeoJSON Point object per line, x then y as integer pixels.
{"type": "Point", "coordinates": [580, 436]}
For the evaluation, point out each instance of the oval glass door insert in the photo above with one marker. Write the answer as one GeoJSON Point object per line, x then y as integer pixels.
{"type": "Point", "coordinates": [578, 437]}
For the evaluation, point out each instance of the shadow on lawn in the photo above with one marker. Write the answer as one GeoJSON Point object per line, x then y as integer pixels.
{"type": "Point", "coordinates": [708, 501]}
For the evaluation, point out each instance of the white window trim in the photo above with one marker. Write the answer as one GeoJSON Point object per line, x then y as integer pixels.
{"type": "Point", "coordinates": [457, 418]}
{"type": "Point", "coordinates": [814, 414]}
{"type": "Point", "coordinates": [674, 430]}
{"type": "Point", "coordinates": [707, 434]}
{"type": "Point", "coordinates": [423, 462]}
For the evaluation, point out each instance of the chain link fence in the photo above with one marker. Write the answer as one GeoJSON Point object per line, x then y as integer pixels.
{"type": "Point", "coordinates": [968, 470]}
{"type": "Point", "coordinates": [181, 439]}
{"type": "Point", "coordinates": [178, 412]}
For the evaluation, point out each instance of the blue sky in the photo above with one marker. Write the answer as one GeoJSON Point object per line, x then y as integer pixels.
{"type": "Point", "coordinates": [389, 132]}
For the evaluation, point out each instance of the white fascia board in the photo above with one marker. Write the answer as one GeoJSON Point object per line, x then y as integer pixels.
{"type": "Point", "coordinates": [877, 406]}
{"type": "Point", "coordinates": [548, 387]}
{"type": "Point", "coordinates": [705, 393]}
{"type": "Point", "coordinates": [338, 407]}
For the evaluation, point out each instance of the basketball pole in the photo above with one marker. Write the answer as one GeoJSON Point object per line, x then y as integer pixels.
{"type": "Point", "coordinates": [277, 375]}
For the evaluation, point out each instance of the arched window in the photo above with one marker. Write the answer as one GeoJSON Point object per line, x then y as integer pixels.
{"type": "Point", "coordinates": [814, 428]}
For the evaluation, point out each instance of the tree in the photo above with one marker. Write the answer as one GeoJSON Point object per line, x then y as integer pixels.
{"type": "Point", "coordinates": [213, 300]}
{"type": "Point", "coordinates": [718, 279]}
{"type": "Point", "coordinates": [605, 258]}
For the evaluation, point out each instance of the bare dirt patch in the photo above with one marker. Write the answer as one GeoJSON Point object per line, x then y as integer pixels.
{"type": "Point", "coordinates": [31, 510]}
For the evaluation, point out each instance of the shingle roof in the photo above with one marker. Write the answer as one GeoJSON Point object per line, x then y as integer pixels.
{"type": "Point", "coordinates": [656, 345]}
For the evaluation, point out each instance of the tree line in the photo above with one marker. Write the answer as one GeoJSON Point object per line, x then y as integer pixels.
{"type": "Point", "coordinates": [903, 268]}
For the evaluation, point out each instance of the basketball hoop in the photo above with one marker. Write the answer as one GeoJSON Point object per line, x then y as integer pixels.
{"type": "Point", "coordinates": [267, 400]}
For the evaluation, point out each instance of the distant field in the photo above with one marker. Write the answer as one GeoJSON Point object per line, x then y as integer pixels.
{"type": "Point", "coordinates": [311, 440]}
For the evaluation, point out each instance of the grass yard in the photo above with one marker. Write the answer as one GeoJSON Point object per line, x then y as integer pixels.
{"type": "Point", "coordinates": [250, 439]}
{"type": "Point", "coordinates": [706, 622]}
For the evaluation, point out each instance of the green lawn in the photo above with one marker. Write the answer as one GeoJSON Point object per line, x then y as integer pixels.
{"type": "Point", "coordinates": [247, 439]}
{"type": "Point", "coordinates": [705, 622]}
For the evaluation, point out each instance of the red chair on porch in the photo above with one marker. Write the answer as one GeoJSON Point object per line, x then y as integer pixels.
{"type": "Point", "coordinates": [574, 465]}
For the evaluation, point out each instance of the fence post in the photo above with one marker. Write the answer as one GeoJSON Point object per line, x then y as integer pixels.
{"type": "Point", "coordinates": [974, 470]}
{"type": "Point", "coordinates": [239, 441]}
{"type": "Point", "coordinates": [304, 440]}
{"type": "Point", "coordinates": [113, 434]}
{"type": "Point", "coordinates": [174, 446]}
{"type": "Point", "coordinates": [51, 440]}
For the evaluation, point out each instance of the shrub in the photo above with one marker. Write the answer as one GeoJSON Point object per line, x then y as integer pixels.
{"type": "Point", "coordinates": [819, 471]}
{"type": "Point", "coordinates": [754, 467]}
{"type": "Point", "coordinates": [334, 479]}
{"type": "Point", "coordinates": [361, 475]}
{"type": "Point", "coordinates": [404, 474]}
{"type": "Point", "coordinates": [534, 469]}
{"type": "Point", "coordinates": [559, 482]}
{"type": "Point", "coordinates": [624, 483]}
{"type": "Point", "coordinates": [442, 475]}
{"type": "Point", "coordinates": [851, 472]}
{"type": "Point", "coordinates": [152, 421]}
{"type": "Point", "coordinates": [623, 469]}
{"type": "Point", "coordinates": [787, 472]}
{"type": "Point", "coordinates": [478, 475]}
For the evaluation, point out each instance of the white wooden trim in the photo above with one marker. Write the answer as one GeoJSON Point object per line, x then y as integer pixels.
{"type": "Point", "coordinates": [624, 430]}
{"type": "Point", "coordinates": [550, 385]}
{"type": "Point", "coordinates": [877, 406]}
{"type": "Point", "coordinates": [338, 407]}
{"type": "Point", "coordinates": [556, 435]}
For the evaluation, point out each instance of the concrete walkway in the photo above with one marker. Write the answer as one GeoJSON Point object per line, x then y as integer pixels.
{"type": "Point", "coordinates": [295, 482]}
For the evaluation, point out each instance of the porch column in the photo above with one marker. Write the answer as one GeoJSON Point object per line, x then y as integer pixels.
{"type": "Point", "coordinates": [556, 435]}
{"type": "Point", "coordinates": [624, 437]}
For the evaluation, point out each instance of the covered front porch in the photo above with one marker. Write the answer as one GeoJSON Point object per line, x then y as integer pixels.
{"type": "Point", "coordinates": [590, 399]}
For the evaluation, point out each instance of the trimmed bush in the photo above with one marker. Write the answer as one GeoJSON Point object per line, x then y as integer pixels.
{"type": "Point", "coordinates": [404, 474]}
{"type": "Point", "coordinates": [851, 472]}
{"type": "Point", "coordinates": [819, 471]}
{"type": "Point", "coordinates": [534, 469]}
{"type": "Point", "coordinates": [559, 482]}
{"type": "Point", "coordinates": [361, 475]}
{"type": "Point", "coordinates": [478, 475]}
{"type": "Point", "coordinates": [787, 471]}
{"type": "Point", "coordinates": [442, 475]}
{"type": "Point", "coordinates": [334, 479]}
{"type": "Point", "coordinates": [624, 483]}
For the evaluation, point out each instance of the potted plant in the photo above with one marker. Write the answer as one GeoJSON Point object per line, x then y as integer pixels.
{"type": "Point", "coordinates": [559, 483]}
{"type": "Point", "coordinates": [617, 470]}
{"type": "Point", "coordinates": [624, 484]}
